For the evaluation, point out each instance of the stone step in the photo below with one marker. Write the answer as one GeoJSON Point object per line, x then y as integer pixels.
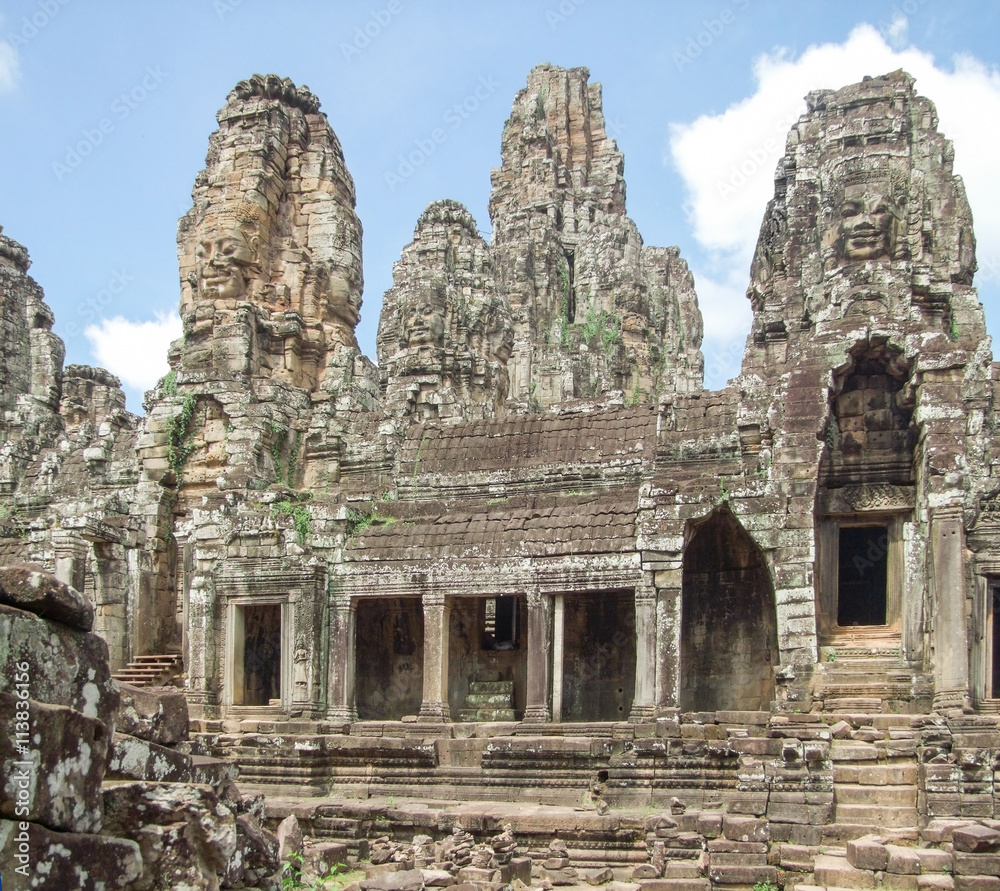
{"type": "Point", "coordinates": [876, 816]}
{"type": "Point", "coordinates": [835, 871]}
{"type": "Point", "coordinates": [852, 703]}
{"type": "Point", "coordinates": [883, 795]}
{"type": "Point", "coordinates": [876, 774]}
{"type": "Point", "coordinates": [491, 688]}
{"type": "Point", "coordinates": [488, 700]}
{"type": "Point", "coordinates": [667, 884]}
{"type": "Point", "coordinates": [485, 715]}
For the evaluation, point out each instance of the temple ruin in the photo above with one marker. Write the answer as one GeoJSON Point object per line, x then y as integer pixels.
{"type": "Point", "coordinates": [528, 557]}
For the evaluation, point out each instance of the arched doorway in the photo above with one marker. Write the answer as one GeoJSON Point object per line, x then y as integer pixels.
{"type": "Point", "coordinates": [729, 636]}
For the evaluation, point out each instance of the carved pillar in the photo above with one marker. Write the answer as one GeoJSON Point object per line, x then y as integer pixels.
{"type": "Point", "coordinates": [668, 640]}
{"type": "Point", "coordinates": [437, 617]}
{"type": "Point", "coordinates": [951, 645]}
{"type": "Point", "coordinates": [643, 700]}
{"type": "Point", "coordinates": [539, 658]}
{"type": "Point", "coordinates": [558, 651]}
{"type": "Point", "coordinates": [340, 677]}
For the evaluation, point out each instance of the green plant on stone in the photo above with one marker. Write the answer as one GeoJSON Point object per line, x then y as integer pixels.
{"type": "Point", "coordinates": [179, 446]}
{"type": "Point", "coordinates": [293, 877]}
{"type": "Point", "coordinates": [765, 885]}
{"type": "Point", "coordinates": [279, 433]}
{"type": "Point", "coordinates": [301, 517]}
{"type": "Point", "coordinates": [953, 329]}
{"type": "Point", "coordinates": [169, 383]}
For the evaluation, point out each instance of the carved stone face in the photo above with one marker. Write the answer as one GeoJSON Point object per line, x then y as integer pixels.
{"type": "Point", "coordinates": [867, 215]}
{"type": "Point", "coordinates": [345, 302]}
{"type": "Point", "coordinates": [423, 322]}
{"type": "Point", "coordinates": [220, 265]}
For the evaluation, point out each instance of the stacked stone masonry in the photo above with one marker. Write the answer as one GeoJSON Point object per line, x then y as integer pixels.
{"type": "Point", "coordinates": [528, 556]}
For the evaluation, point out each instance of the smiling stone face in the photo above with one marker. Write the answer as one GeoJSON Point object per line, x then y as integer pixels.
{"type": "Point", "coordinates": [222, 265]}
{"type": "Point", "coordinates": [424, 321]}
{"type": "Point", "coordinates": [867, 218]}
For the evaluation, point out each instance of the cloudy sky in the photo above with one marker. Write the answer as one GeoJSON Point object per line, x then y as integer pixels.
{"type": "Point", "coordinates": [106, 109]}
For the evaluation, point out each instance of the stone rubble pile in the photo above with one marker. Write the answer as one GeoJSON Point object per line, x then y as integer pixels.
{"type": "Point", "coordinates": [85, 806]}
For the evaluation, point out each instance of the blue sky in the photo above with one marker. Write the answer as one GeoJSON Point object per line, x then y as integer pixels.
{"type": "Point", "coordinates": [694, 93]}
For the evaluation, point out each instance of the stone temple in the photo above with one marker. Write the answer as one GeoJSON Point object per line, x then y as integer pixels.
{"type": "Point", "coordinates": [527, 559]}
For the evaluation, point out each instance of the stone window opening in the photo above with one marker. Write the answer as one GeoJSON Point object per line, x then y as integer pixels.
{"type": "Point", "coordinates": [500, 623]}
{"type": "Point", "coordinates": [861, 571]}
{"type": "Point", "coordinates": [570, 286]}
{"type": "Point", "coordinates": [862, 575]}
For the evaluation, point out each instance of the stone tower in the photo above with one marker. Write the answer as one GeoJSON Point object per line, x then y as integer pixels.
{"type": "Point", "coordinates": [594, 311]}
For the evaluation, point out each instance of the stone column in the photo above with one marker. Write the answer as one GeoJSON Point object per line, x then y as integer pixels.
{"type": "Point", "coordinates": [668, 638]}
{"type": "Point", "coordinates": [340, 704]}
{"type": "Point", "coordinates": [71, 559]}
{"type": "Point", "coordinates": [539, 658]}
{"type": "Point", "coordinates": [558, 652]}
{"type": "Point", "coordinates": [643, 700]}
{"type": "Point", "coordinates": [437, 617]}
{"type": "Point", "coordinates": [951, 645]}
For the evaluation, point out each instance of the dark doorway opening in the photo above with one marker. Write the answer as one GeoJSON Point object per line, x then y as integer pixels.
{"type": "Point", "coordinates": [390, 657]}
{"type": "Point", "coordinates": [729, 629]}
{"type": "Point", "coordinates": [262, 654]}
{"type": "Point", "coordinates": [862, 575]}
{"type": "Point", "coordinates": [995, 604]}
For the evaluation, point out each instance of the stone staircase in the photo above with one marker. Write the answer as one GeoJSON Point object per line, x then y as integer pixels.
{"type": "Point", "coordinates": [488, 700]}
{"type": "Point", "coordinates": [859, 679]}
{"type": "Point", "coordinates": [151, 671]}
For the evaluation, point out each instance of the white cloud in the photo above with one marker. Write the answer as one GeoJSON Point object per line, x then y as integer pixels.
{"type": "Point", "coordinates": [10, 67]}
{"type": "Point", "coordinates": [727, 160]}
{"type": "Point", "coordinates": [135, 351]}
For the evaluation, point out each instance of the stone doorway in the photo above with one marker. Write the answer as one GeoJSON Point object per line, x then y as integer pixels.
{"type": "Point", "coordinates": [488, 658]}
{"type": "Point", "coordinates": [390, 657]}
{"type": "Point", "coordinates": [257, 658]}
{"type": "Point", "coordinates": [728, 626]}
{"type": "Point", "coordinates": [598, 678]}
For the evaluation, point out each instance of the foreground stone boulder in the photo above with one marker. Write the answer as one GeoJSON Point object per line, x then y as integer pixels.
{"type": "Point", "coordinates": [186, 835]}
{"type": "Point", "coordinates": [31, 588]}
{"type": "Point", "coordinates": [67, 666]}
{"type": "Point", "coordinates": [156, 714]}
{"type": "Point", "coordinates": [57, 784]}
{"type": "Point", "coordinates": [71, 860]}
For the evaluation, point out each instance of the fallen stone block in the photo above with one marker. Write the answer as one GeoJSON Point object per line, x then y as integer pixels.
{"type": "Point", "coordinates": [975, 839]}
{"type": "Point", "coordinates": [59, 779]}
{"type": "Point", "coordinates": [156, 714]}
{"type": "Point", "coordinates": [35, 590]}
{"type": "Point", "coordinates": [868, 852]}
{"type": "Point", "coordinates": [401, 880]}
{"type": "Point", "coordinates": [65, 666]}
{"type": "Point", "coordinates": [65, 860]}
